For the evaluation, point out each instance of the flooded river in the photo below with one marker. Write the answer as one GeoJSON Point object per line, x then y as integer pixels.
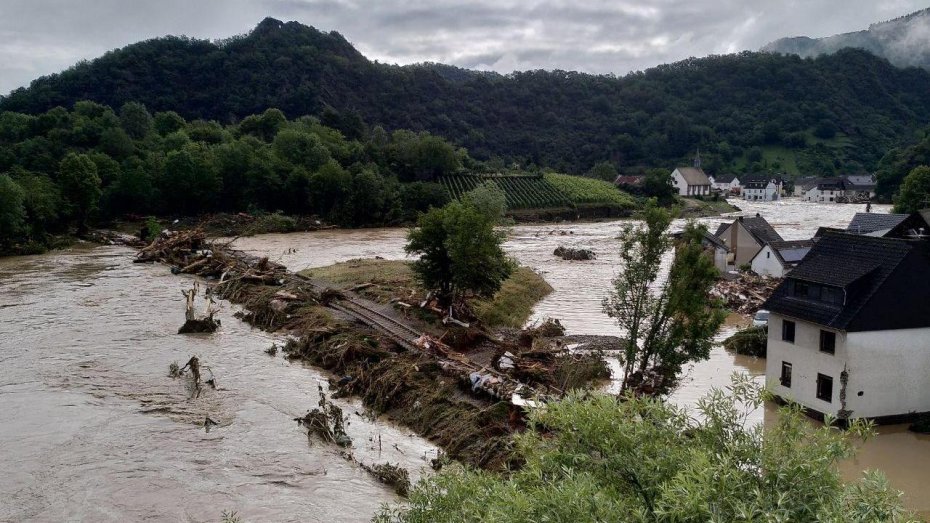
{"type": "Point", "coordinates": [94, 430]}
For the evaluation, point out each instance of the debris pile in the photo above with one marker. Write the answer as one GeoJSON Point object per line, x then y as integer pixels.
{"type": "Point", "coordinates": [745, 294]}
{"type": "Point", "coordinates": [392, 475]}
{"type": "Point", "coordinates": [570, 253]}
{"type": "Point", "coordinates": [326, 422]}
{"type": "Point", "coordinates": [188, 252]}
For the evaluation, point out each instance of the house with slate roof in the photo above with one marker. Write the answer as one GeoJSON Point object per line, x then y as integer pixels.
{"type": "Point", "coordinates": [690, 181]}
{"type": "Point", "coordinates": [762, 188]}
{"type": "Point", "coordinates": [912, 225]}
{"type": "Point", "coordinates": [849, 327]}
{"type": "Point", "coordinates": [726, 183]}
{"type": "Point", "coordinates": [778, 258]}
{"type": "Point", "coordinates": [745, 237]}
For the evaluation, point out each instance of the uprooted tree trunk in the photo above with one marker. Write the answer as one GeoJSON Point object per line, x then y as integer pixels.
{"type": "Point", "coordinates": [206, 323]}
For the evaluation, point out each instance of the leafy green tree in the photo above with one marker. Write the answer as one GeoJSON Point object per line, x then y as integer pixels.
{"type": "Point", "coordinates": [657, 184]}
{"type": "Point", "coordinates": [136, 120]}
{"type": "Point", "coordinates": [12, 210]}
{"type": "Point", "coordinates": [673, 324]}
{"type": "Point", "coordinates": [168, 122]}
{"type": "Point", "coordinates": [300, 149]}
{"type": "Point", "coordinates": [915, 191]}
{"type": "Point", "coordinates": [591, 458]}
{"type": "Point", "coordinates": [489, 199]}
{"type": "Point", "coordinates": [80, 184]}
{"type": "Point", "coordinates": [417, 197]}
{"type": "Point", "coordinates": [459, 252]}
{"type": "Point", "coordinates": [606, 171]}
{"type": "Point", "coordinates": [190, 184]}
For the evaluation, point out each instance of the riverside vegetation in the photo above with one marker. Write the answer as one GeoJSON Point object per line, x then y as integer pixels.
{"type": "Point", "coordinates": [62, 170]}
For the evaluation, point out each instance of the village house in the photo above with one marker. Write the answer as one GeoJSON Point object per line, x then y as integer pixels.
{"type": "Point", "coordinates": [745, 237]}
{"type": "Point", "coordinates": [827, 190]}
{"type": "Point", "coordinates": [777, 258]}
{"type": "Point", "coordinates": [802, 185]}
{"type": "Point", "coordinates": [725, 183]}
{"type": "Point", "coordinates": [762, 188]}
{"type": "Point", "coordinates": [848, 329]}
{"type": "Point", "coordinates": [690, 181]}
{"type": "Point", "coordinates": [629, 181]}
{"type": "Point", "coordinates": [859, 187]}
{"type": "Point", "coordinates": [914, 225]}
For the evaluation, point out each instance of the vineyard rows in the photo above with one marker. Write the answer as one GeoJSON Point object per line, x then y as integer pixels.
{"type": "Point", "coordinates": [543, 192]}
{"type": "Point", "coordinates": [522, 192]}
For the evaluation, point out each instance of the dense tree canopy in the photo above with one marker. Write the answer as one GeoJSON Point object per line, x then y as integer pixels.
{"type": "Point", "coordinates": [915, 191]}
{"type": "Point", "coordinates": [61, 168]}
{"type": "Point", "coordinates": [828, 115]}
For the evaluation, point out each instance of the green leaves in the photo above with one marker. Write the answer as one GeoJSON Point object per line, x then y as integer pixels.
{"type": "Point", "coordinates": [592, 458]}
{"type": "Point", "coordinates": [460, 252]}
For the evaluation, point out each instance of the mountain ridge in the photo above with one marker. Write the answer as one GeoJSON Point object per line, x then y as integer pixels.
{"type": "Point", "coordinates": [833, 113]}
{"type": "Point", "coordinates": [904, 41]}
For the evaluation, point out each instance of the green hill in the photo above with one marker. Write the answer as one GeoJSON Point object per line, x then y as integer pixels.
{"type": "Point", "coordinates": [724, 105]}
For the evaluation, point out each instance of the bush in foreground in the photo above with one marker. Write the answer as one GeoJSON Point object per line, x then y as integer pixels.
{"type": "Point", "coordinates": [594, 458]}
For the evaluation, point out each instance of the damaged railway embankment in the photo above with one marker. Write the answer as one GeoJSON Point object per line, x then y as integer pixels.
{"type": "Point", "coordinates": [464, 388]}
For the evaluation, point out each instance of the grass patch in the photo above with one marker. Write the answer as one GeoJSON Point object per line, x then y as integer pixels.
{"type": "Point", "coordinates": [513, 304]}
{"type": "Point", "coordinates": [390, 278]}
{"type": "Point", "coordinates": [393, 279]}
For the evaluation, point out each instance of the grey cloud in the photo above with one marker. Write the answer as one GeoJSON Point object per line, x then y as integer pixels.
{"type": "Point", "coordinates": [600, 36]}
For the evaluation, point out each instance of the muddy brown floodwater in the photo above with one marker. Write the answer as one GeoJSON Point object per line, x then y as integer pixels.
{"type": "Point", "coordinates": [93, 429]}
{"type": "Point", "coordinates": [580, 286]}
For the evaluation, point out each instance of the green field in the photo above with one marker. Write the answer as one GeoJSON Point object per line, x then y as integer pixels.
{"type": "Point", "coordinates": [549, 191]}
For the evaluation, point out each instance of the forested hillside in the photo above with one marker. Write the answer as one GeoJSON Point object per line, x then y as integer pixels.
{"type": "Point", "coordinates": [746, 112]}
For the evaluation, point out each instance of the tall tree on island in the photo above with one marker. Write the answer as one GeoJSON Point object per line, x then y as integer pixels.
{"type": "Point", "coordinates": [460, 252]}
{"type": "Point", "coordinates": [673, 324]}
{"type": "Point", "coordinates": [77, 175]}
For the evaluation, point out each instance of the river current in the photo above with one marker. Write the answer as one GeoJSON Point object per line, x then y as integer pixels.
{"type": "Point", "coordinates": [93, 428]}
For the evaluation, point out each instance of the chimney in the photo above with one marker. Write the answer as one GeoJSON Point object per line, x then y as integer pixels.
{"type": "Point", "coordinates": [758, 215]}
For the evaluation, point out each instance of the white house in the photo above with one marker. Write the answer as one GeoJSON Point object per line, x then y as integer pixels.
{"type": "Point", "coordinates": [690, 181]}
{"type": "Point", "coordinates": [802, 185]}
{"type": "Point", "coordinates": [727, 183]}
{"type": "Point", "coordinates": [849, 329]}
{"type": "Point", "coordinates": [767, 188]}
{"type": "Point", "coordinates": [777, 258]}
{"type": "Point", "coordinates": [827, 190]}
{"type": "Point", "coordinates": [745, 237]}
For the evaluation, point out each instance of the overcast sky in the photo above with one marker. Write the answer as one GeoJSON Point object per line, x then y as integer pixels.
{"type": "Point", "coordinates": [39, 37]}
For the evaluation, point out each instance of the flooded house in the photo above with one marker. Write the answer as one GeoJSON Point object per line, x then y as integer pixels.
{"type": "Point", "coordinates": [777, 258]}
{"type": "Point", "coordinates": [745, 237]}
{"type": "Point", "coordinates": [725, 183]}
{"type": "Point", "coordinates": [849, 328]}
{"type": "Point", "coordinates": [762, 188]}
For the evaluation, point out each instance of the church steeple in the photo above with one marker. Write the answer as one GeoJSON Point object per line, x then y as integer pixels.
{"type": "Point", "coordinates": [697, 159]}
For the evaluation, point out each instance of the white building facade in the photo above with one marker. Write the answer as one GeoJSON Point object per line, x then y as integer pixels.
{"type": "Point", "coordinates": [690, 181]}
{"type": "Point", "coordinates": [867, 374]}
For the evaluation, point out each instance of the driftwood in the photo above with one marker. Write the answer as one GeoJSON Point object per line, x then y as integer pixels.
{"type": "Point", "coordinates": [192, 324]}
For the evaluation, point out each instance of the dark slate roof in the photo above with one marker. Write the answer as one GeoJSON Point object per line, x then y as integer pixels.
{"type": "Point", "coordinates": [722, 227]}
{"type": "Point", "coordinates": [693, 176]}
{"type": "Point", "coordinates": [724, 178]}
{"type": "Point", "coordinates": [792, 252]}
{"type": "Point", "coordinates": [883, 281]}
{"type": "Point", "coordinates": [760, 229]}
{"type": "Point", "coordinates": [867, 222]}
{"type": "Point", "coordinates": [715, 241]}
{"type": "Point", "coordinates": [808, 181]}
